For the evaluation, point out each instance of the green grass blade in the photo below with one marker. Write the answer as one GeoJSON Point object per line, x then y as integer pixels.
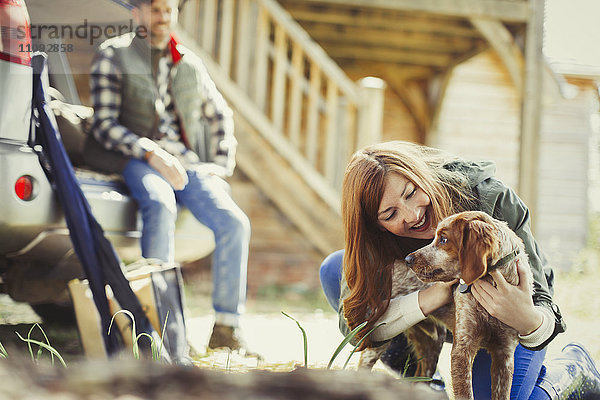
{"type": "Point", "coordinates": [153, 345]}
{"type": "Point", "coordinates": [135, 349]}
{"type": "Point", "coordinates": [3, 352]}
{"type": "Point", "coordinates": [407, 364]}
{"type": "Point", "coordinates": [359, 343]}
{"type": "Point", "coordinates": [33, 358]}
{"type": "Point", "coordinates": [344, 342]}
{"type": "Point", "coordinates": [305, 339]}
{"type": "Point", "coordinates": [51, 349]}
{"type": "Point", "coordinates": [40, 350]}
{"type": "Point", "coordinates": [162, 336]}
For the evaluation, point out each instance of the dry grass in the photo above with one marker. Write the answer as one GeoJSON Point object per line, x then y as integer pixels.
{"type": "Point", "coordinates": [577, 294]}
{"type": "Point", "coordinates": [279, 340]}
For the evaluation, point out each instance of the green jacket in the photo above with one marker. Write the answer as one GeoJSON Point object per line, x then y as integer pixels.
{"type": "Point", "coordinates": [501, 202]}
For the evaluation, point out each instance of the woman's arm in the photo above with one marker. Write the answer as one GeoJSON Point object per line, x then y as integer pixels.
{"type": "Point", "coordinates": [406, 311]}
{"type": "Point", "coordinates": [403, 311]}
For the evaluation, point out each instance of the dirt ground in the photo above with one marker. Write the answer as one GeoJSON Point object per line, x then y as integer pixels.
{"type": "Point", "coordinates": [279, 340]}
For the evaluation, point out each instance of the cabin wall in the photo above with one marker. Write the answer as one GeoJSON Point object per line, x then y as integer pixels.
{"type": "Point", "coordinates": [479, 116]}
{"type": "Point", "coordinates": [480, 119]}
{"type": "Point", "coordinates": [564, 180]}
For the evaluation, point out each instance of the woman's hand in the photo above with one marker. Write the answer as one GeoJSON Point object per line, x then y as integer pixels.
{"type": "Point", "coordinates": [510, 304]}
{"type": "Point", "coordinates": [435, 296]}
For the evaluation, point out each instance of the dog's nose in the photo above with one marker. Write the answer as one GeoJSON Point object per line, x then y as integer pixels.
{"type": "Point", "coordinates": [410, 260]}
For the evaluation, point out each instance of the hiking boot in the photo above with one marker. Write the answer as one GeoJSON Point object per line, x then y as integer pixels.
{"type": "Point", "coordinates": [571, 375]}
{"type": "Point", "coordinates": [224, 336]}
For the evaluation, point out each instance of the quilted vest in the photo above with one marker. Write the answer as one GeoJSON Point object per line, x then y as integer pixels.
{"type": "Point", "coordinates": [139, 93]}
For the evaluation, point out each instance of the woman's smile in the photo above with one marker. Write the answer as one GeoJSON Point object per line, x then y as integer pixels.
{"type": "Point", "coordinates": [405, 209]}
{"type": "Point", "coordinates": [423, 223]}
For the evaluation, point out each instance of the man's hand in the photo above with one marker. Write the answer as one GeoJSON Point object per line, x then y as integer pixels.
{"type": "Point", "coordinates": [169, 167]}
{"type": "Point", "coordinates": [510, 304]}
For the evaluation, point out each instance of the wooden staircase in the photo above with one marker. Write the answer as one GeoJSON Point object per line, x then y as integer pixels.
{"type": "Point", "coordinates": [298, 116]}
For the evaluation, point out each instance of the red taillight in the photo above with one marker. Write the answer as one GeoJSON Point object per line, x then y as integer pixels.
{"type": "Point", "coordinates": [15, 32]}
{"type": "Point", "coordinates": [24, 187]}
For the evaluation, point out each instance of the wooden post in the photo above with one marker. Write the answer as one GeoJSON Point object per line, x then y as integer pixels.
{"type": "Point", "coordinates": [244, 45]}
{"type": "Point", "coordinates": [297, 79]}
{"type": "Point", "coordinates": [209, 26]}
{"type": "Point", "coordinates": [226, 35]}
{"type": "Point", "coordinates": [278, 85]}
{"type": "Point", "coordinates": [261, 58]}
{"type": "Point", "coordinates": [332, 153]}
{"type": "Point", "coordinates": [313, 117]}
{"type": "Point", "coordinates": [531, 109]}
{"type": "Point", "coordinates": [370, 120]}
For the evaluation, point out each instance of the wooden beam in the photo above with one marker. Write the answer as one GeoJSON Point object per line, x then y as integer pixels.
{"type": "Point", "coordinates": [388, 55]}
{"type": "Point", "coordinates": [414, 96]}
{"type": "Point", "coordinates": [531, 109]}
{"type": "Point", "coordinates": [392, 21]}
{"type": "Point", "coordinates": [504, 44]}
{"type": "Point", "coordinates": [504, 10]}
{"type": "Point", "coordinates": [437, 93]}
{"type": "Point", "coordinates": [385, 38]}
{"type": "Point", "coordinates": [356, 68]}
{"type": "Point", "coordinates": [411, 93]}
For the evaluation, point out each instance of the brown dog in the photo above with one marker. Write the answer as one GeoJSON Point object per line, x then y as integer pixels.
{"type": "Point", "coordinates": [468, 245]}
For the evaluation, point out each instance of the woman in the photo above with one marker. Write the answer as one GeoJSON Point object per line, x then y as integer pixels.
{"type": "Point", "coordinates": [394, 194]}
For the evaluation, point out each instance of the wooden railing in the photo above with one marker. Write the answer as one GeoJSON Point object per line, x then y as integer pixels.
{"type": "Point", "coordinates": [286, 87]}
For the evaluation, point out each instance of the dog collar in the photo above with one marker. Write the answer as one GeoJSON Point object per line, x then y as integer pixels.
{"type": "Point", "coordinates": [464, 288]}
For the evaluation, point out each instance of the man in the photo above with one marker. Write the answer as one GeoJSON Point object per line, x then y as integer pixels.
{"type": "Point", "coordinates": [169, 132]}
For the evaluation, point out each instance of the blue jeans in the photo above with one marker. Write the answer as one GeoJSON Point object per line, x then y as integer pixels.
{"type": "Point", "coordinates": [207, 198]}
{"type": "Point", "coordinates": [528, 363]}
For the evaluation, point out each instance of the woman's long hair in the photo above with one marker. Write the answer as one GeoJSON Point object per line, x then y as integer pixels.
{"type": "Point", "coordinates": [370, 252]}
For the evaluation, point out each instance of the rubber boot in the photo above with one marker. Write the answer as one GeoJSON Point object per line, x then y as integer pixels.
{"type": "Point", "coordinates": [571, 375]}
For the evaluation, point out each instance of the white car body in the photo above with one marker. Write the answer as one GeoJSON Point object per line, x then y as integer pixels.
{"type": "Point", "coordinates": [35, 247]}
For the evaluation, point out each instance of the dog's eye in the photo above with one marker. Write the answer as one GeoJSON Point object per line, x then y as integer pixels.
{"type": "Point", "coordinates": [442, 240]}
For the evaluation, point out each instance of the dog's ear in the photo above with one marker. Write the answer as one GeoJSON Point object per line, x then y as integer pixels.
{"type": "Point", "coordinates": [476, 246]}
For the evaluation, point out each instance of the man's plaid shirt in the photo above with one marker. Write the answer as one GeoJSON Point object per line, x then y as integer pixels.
{"type": "Point", "coordinates": [105, 85]}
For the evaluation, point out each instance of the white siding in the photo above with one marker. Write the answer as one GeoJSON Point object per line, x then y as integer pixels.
{"type": "Point", "coordinates": [562, 214]}
{"type": "Point", "coordinates": [480, 119]}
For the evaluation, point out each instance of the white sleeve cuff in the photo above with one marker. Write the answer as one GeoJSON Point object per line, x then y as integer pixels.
{"type": "Point", "coordinates": [542, 333]}
{"type": "Point", "coordinates": [142, 146]}
{"type": "Point", "coordinates": [402, 313]}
